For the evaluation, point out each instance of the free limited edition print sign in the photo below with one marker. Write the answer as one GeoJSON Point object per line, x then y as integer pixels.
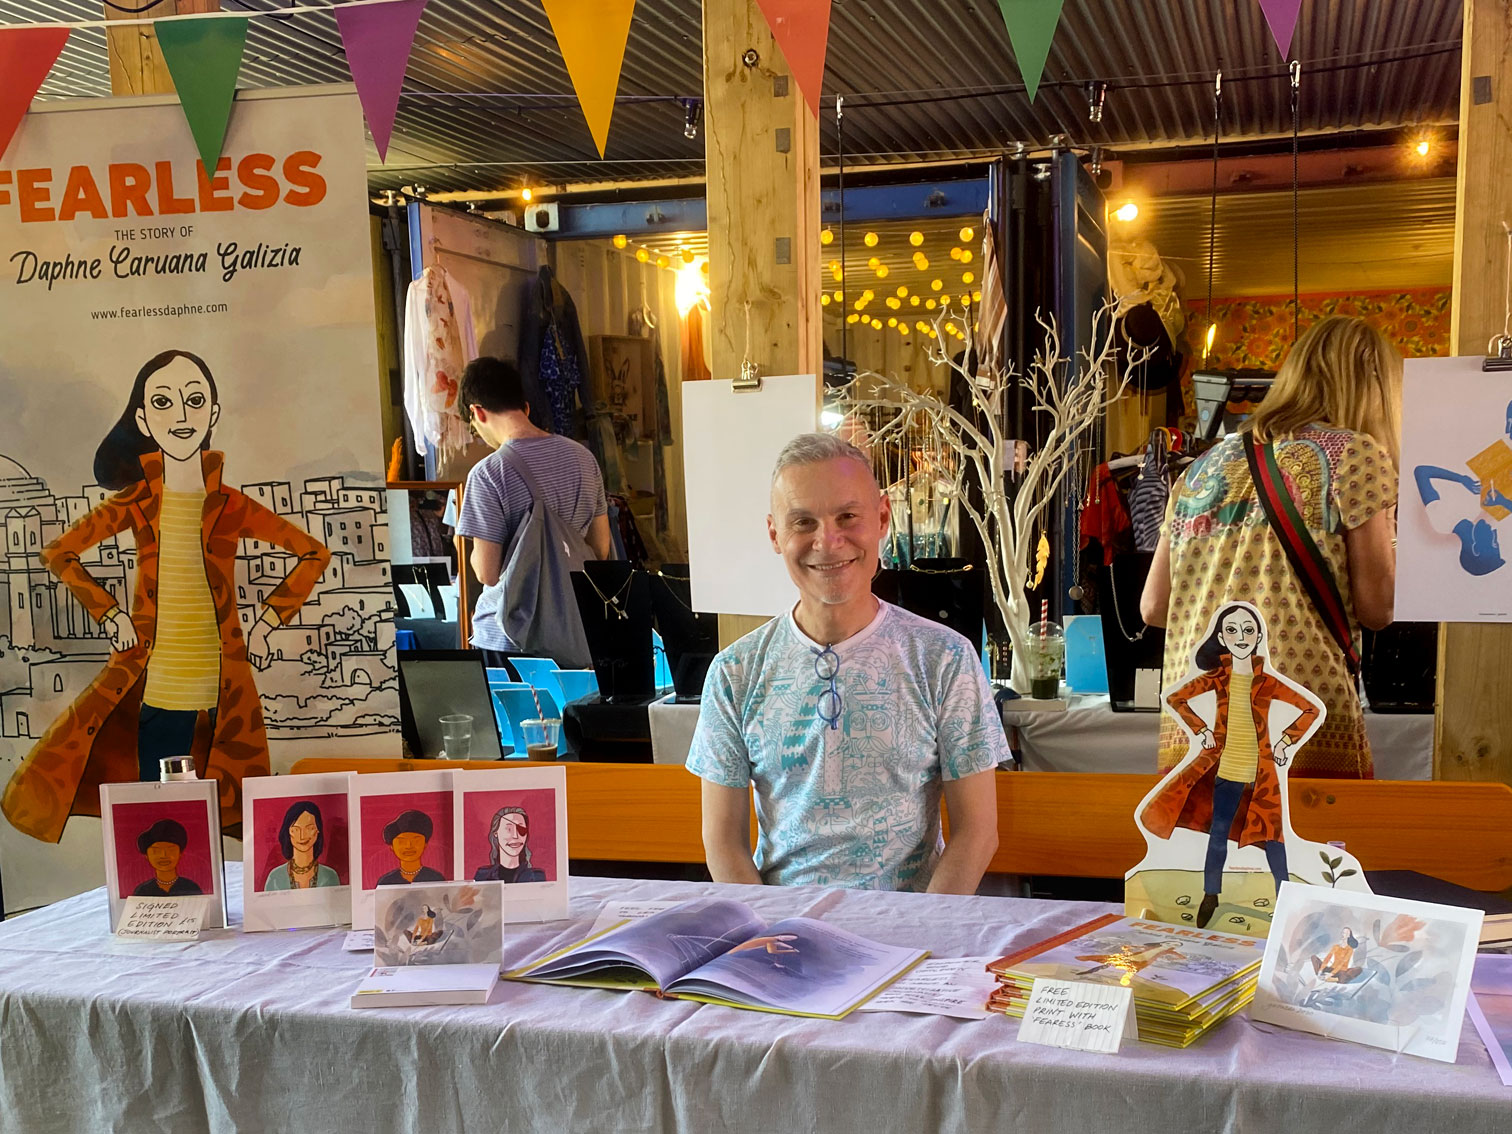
{"type": "Point", "coordinates": [191, 476]}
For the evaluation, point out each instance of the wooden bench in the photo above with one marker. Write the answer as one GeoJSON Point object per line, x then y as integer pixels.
{"type": "Point", "coordinates": [1062, 823]}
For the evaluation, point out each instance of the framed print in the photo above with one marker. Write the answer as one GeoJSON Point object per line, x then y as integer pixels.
{"type": "Point", "coordinates": [511, 828]}
{"type": "Point", "coordinates": [403, 826]}
{"type": "Point", "coordinates": [296, 860]}
{"type": "Point", "coordinates": [163, 841]}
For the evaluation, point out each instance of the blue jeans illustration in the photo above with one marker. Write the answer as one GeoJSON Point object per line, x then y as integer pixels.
{"type": "Point", "coordinates": [1226, 797]}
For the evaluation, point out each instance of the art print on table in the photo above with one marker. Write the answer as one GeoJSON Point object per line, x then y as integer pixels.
{"type": "Point", "coordinates": [1218, 824]}
{"type": "Point", "coordinates": [404, 834]}
{"type": "Point", "coordinates": [163, 841]}
{"type": "Point", "coordinates": [297, 851]}
{"type": "Point", "coordinates": [512, 828]}
{"type": "Point", "coordinates": [1381, 971]}
{"type": "Point", "coordinates": [1456, 493]}
{"type": "Point", "coordinates": [447, 923]}
{"type": "Point", "coordinates": [1490, 1007]}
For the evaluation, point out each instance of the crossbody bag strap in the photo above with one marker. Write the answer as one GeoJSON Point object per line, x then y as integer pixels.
{"type": "Point", "coordinates": [1302, 551]}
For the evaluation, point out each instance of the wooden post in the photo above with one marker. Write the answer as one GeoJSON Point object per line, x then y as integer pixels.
{"type": "Point", "coordinates": [1473, 715]}
{"type": "Point", "coordinates": [136, 62]}
{"type": "Point", "coordinates": [761, 148]}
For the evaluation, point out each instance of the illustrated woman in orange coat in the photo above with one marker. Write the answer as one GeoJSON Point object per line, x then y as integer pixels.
{"type": "Point", "coordinates": [1231, 789]}
{"type": "Point", "coordinates": [179, 680]}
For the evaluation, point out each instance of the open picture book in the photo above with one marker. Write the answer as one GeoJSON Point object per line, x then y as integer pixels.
{"type": "Point", "coordinates": [720, 952]}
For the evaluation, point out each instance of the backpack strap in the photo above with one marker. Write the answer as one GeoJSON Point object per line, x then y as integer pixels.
{"type": "Point", "coordinates": [1302, 551]}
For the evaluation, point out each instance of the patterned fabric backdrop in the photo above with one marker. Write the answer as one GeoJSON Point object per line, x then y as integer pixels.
{"type": "Point", "coordinates": [1256, 333]}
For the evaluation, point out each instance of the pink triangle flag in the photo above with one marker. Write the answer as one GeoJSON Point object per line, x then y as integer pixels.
{"type": "Point", "coordinates": [26, 57]}
{"type": "Point", "coordinates": [1281, 15]}
{"type": "Point", "coordinates": [377, 39]}
{"type": "Point", "coordinates": [801, 28]}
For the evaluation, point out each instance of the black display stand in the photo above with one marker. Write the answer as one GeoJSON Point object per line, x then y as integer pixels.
{"type": "Point", "coordinates": [947, 591]}
{"type": "Point", "coordinates": [1130, 644]}
{"type": "Point", "coordinates": [614, 600]}
{"type": "Point", "coordinates": [691, 639]}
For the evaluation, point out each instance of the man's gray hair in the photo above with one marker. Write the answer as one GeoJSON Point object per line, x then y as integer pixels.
{"type": "Point", "coordinates": [812, 448]}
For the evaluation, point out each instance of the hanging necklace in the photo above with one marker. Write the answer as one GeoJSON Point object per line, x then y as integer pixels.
{"type": "Point", "coordinates": [671, 590]}
{"type": "Point", "coordinates": [1117, 614]}
{"type": "Point", "coordinates": [614, 599]}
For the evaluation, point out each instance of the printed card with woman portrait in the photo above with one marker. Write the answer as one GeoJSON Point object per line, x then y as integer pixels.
{"type": "Point", "coordinates": [296, 862]}
{"type": "Point", "coordinates": [1218, 824]}
{"type": "Point", "coordinates": [403, 834]}
{"type": "Point", "coordinates": [511, 827]}
{"type": "Point", "coordinates": [162, 840]}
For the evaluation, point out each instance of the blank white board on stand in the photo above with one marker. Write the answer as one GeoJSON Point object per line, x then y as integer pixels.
{"type": "Point", "coordinates": [731, 439]}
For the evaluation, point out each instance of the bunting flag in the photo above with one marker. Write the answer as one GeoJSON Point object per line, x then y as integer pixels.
{"type": "Point", "coordinates": [26, 56]}
{"type": "Point", "coordinates": [1031, 27]}
{"type": "Point", "coordinates": [204, 57]}
{"type": "Point", "coordinates": [1281, 16]}
{"type": "Point", "coordinates": [801, 28]}
{"type": "Point", "coordinates": [377, 40]}
{"type": "Point", "coordinates": [592, 35]}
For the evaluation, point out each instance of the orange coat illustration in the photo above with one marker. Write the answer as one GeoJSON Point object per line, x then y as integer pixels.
{"type": "Point", "coordinates": [95, 740]}
{"type": "Point", "coordinates": [1187, 801]}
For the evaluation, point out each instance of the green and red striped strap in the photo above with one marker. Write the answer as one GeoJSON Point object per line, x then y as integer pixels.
{"type": "Point", "coordinates": [1301, 550]}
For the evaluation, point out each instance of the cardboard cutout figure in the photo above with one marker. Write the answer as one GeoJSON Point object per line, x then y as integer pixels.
{"type": "Point", "coordinates": [1218, 824]}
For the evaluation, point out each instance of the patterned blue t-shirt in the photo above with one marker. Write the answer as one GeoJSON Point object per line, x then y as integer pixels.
{"type": "Point", "coordinates": [858, 805]}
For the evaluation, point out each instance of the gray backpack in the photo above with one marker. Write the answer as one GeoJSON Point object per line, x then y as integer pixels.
{"type": "Point", "coordinates": [538, 609]}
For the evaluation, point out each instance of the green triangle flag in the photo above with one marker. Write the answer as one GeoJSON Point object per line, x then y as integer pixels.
{"type": "Point", "coordinates": [1031, 27]}
{"type": "Point", "coordinates": [204, 57]}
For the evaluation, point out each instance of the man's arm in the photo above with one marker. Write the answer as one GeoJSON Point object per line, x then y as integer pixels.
{"type": "Point", "coordinates": [971, 803]}
{"type": "Point", "coordinates": [598, 537]}
{"type": "Point", "coordinates": [487, 561]}
{"type": "Point", "coordinates": [727, 834]}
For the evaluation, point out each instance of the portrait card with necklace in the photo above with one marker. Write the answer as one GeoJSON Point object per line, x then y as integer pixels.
{"type": "Point", "coordinates": [296, 858]}
{"type": "Point", "coordinates": [511, 827]}
{"type": "Point", "coordinates": [403, 825]}
{"type": "Point", "coordinates": [162, 840]}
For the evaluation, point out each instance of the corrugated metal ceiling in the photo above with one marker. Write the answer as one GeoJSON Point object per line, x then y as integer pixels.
{"type": "Point", "coordinates": [488, 103]}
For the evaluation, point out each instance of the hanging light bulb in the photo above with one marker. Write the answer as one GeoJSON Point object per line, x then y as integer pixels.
{"type": "Point", "coordinates": [967, 234]}
{"type": "Point", "coordinates": [621, 240]}
{"type": "Point", "coordinates": [826, 237]}
{"type": "Point", "coordinates": [966, 255]}
{"type": "Point", "coordinates": [876, 324]}
{"type": "Point", "coordinates": [976, 297]}
{"type": "Point", "coordinates": [852, 318]}
{"type": "Point", "coordinates": [692, 109]}
{"type": "Point", "coordinates": [967, 277]}
{"type": "Point", "coordinates": [955, 253]}
{"type": "Point", "coordinates": [527, 194]}
{"type": "Point", "coordinates": [930, 304]}
{"type": "Point", "coordinates": [873, 263]}
{"type": "Point", "coordinates": [1097, 95]}
{"type": "Point", "coordinates": [870, 240]}
{"type": "Point", "coordinates": [662, 262]}
{"type": "Point", "coordinates": [687, 255]}
{"type": "Point", "coordinates": [892, 320]}
{"type": "Point", "coordinates": [894, 302]}
{"type": "Point", "coordinates": [936, 285]}
{"type": "Point", "coordinates": [642, 255]}
{"type": "Point", "coordinates": [916, 238]}
{"type": "Point", "coordinates": [882, 270]}
{"type": "Point", "coordinates": [902, 291]}
{"type": "Point", "coordinates": [921, 262]}
{"type": "Point", "coordinates": [839, 297]}
{"type": "Point", "coordinates": [1127, 212]}
{"type": "Point", "coordinates": [825, 299]}
{"type": "Point", "coordinates": [913, 300]}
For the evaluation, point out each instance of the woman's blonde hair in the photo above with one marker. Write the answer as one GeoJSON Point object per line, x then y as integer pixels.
{"type": "Point", "coordinates": [1342, 372]}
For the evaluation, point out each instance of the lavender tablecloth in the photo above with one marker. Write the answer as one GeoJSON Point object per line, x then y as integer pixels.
{"type": "Point", "coordinates": [251, 1032]}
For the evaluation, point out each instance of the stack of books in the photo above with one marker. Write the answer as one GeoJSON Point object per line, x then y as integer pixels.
{"type": "Point", "coordinates": [1186, 981]}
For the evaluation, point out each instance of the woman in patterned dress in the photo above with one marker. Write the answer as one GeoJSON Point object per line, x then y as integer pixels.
{"type": "Point", "coordinates": [1333, 416]}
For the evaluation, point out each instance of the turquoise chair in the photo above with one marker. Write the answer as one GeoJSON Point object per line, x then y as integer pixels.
{"type": "Point", "coordinates": [663, 667]}
{"type": "Point", "coordinates": [539, 672]}
{"type": "Point", "coordinates": [499, 679]}
{"type": "Point", "coordinates": [576, 683]}
{"type": "Point", "coordinates": [517, 704]}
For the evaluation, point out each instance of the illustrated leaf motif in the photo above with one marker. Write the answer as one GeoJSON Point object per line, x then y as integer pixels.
{"type": "Point", "coordinates": [1408, 962]}
{"type": "Point", "coordinates": [1347, 873]}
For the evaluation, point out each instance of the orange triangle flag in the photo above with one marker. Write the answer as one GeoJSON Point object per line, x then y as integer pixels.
{"type": "Point", "coordinates": [801, 28]}
{"type": "Point", "coordinates": [26, 57]}
{"type": "Point", "coordinates": [592, 35]}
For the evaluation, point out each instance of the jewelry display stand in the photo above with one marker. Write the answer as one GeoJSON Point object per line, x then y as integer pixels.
{"type": "Point", "coordinates": [947, 591]}
{"type": "Point", "coordinates": [691, 639]}
{"type": "Point", "coordinates": [1131, 646]}
{"type": "Point", "coordinates": [614, 600]}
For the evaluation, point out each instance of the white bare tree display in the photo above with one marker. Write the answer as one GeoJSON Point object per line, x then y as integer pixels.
{"type": "Point", "coordinates": [1069, 394]}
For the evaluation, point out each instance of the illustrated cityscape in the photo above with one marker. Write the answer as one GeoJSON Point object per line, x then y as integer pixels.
{"type": "Point", "coordinates": [332, 670]}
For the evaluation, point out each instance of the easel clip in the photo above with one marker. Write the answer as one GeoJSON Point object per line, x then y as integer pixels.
{"type": "Point", "coordinates": [749, 380]}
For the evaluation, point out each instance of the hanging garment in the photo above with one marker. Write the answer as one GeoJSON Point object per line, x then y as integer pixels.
{"type": "Point", "coordinates": [552, 357]}
{"type": "Point", "coordinates": [1104, 516]}
{"type": "Point", "coordinates": [438, 342]}
{"type": "Point", "coordinates": [641, 326]}
{"type": "Point", "coordinates": [992, 312]}
{"type": "Point", "coordinates": [694, 368]}
{"type": "Point", "coordinates": [1151, 491]}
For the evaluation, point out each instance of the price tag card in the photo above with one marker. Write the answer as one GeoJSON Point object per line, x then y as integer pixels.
{"type": "Point", "coordinates": [163, 919]}
{"type": "Point", "coordinates": [1078, 1015]}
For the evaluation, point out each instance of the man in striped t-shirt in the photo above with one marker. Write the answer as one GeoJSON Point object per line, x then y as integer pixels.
{"type": "Point", "coordinates": [496, 500]}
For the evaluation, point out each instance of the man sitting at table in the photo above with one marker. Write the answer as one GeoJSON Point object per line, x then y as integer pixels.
{"type": "Point", "coordinates": [848, 714]}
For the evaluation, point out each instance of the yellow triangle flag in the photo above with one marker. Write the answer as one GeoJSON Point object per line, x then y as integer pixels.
{"type": "Point", "coordinates": [592, 35]}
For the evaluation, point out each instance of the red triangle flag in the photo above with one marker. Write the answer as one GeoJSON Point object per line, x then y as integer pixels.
{"type": "Point", "coordinates": [377, 39]}
{"type": "Point", "coordinates": [26, 57]}
{"type": "Point", "coordinates": [801, 28]}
